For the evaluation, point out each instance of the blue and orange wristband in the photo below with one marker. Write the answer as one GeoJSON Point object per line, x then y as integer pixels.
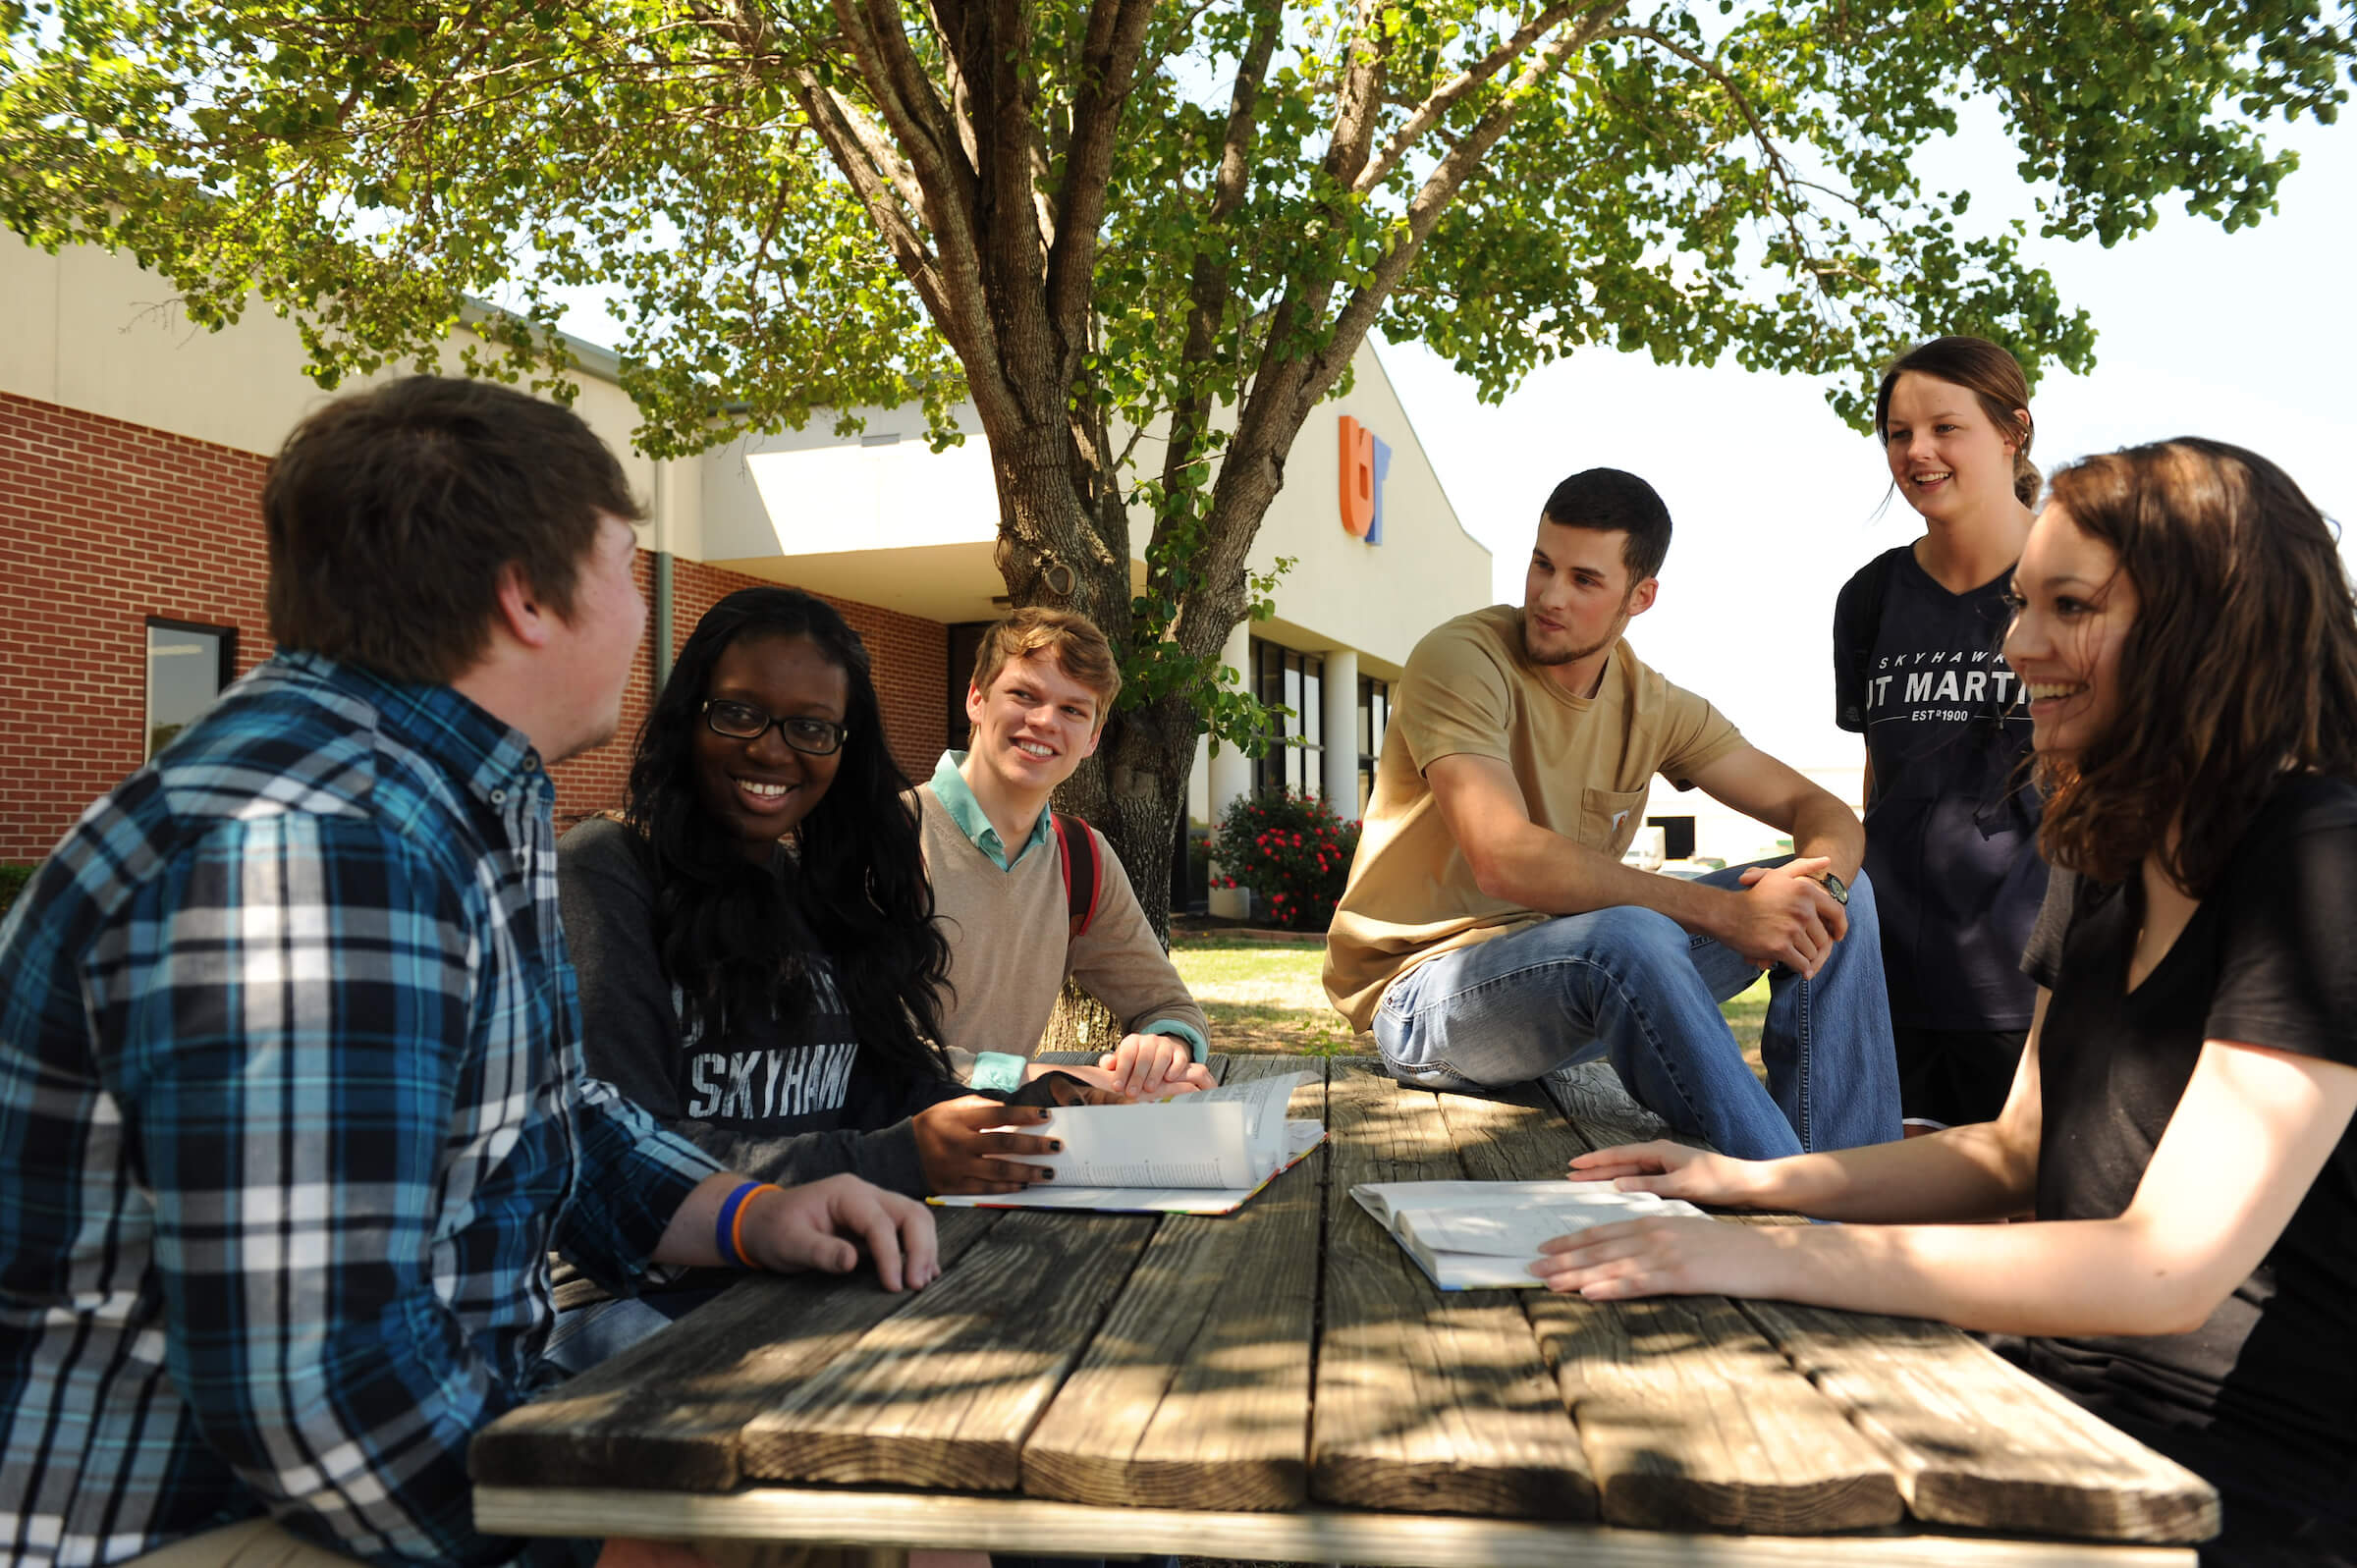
{"type": "Point", "coordinates": [728, 1228]}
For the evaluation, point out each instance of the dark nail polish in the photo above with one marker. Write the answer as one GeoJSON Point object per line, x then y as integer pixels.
{"type": "Point", "coordinates": [1055, 1146]}
{"type": "Point", "coordinates": [1046, 1175]}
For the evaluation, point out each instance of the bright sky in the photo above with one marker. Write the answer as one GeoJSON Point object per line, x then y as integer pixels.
{"type": "Point", "coordinates": [2249, 337]}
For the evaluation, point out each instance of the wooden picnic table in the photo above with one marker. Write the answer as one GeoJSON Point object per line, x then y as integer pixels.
{"type": "Point", "coordinates": [1283, 1384]}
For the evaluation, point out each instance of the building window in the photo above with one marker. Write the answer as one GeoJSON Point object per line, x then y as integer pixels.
{"type": "Point", "coordinates": [1374, 717]}
{"type": "Point", "coordinates": [966, 645]}
{"type": "Point", "coordinates": [188, 666]}
{"type": "Point", "coordinates": [1284, 679]}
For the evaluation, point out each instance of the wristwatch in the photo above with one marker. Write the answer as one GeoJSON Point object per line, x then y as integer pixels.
{"type": "Point", "coordinates": [1835, 886]}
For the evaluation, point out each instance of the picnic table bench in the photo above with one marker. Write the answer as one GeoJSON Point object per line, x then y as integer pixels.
{"type": "Point", "coordinates": [1283, 1384]}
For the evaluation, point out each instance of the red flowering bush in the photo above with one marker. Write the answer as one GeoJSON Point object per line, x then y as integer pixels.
{"type": "Point", "coordinates": [1292, 851]}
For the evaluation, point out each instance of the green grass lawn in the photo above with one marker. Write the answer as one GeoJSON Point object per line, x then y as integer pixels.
{"type": "Point", "coordinates": [13, 877]}
{"type": "Point", "coordinates": [1266, 996]}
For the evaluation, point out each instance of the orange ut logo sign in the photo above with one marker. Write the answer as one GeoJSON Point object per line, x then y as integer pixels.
{"type": "Point", "coordinates": [1366, 457]}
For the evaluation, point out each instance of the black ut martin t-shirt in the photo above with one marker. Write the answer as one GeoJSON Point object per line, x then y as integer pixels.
{"type": "Point", "coordinates": [1951, 832]}
{"type": "Point", "coordinates": [2262, 1398]}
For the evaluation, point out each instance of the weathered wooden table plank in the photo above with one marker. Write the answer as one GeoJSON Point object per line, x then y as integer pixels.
{"type": "Point", "coordinates": [1638, 1380]}
{"type": "Point", "coordinates": [1648, 1384]}
{"type": "Point", "coordinates": [1425, 1401]}
{"type": "Point", "coordinates": [668, 1412]}
{"type": "Point", "coordinates": [1197, 1387]}
{"type": "Point", "coordinates": [944, 1393]}
{"type": "Point", "coordinates": [1514, 1135]}
{"type": "Point", "coordinates": [1313, 1534]}
{"type": "Point", "coordinates": [1976, 1442]}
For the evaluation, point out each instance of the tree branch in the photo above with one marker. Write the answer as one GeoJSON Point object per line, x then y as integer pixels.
{"type": "Point", "coordinates": [1780, 168]}
{"type": "Point", "coordinates": [919, 120]}
{"type": "Point", "coordinates": [944, 15]}
{"type": "Point", "coordinates": [993, 42]}
{"type": "Point", "coordinates": [1358, 313]}
{"type": "Point", "coordinates": [925, 134]}
{"type": "Point", "coordinates": [1117, 35]}
{"type": "Point", "coordinates": [878, 177]}
{"type": "Point", "coordinates": [1452, 92]}
{"type": "Point", "coordinates": [1360, 99]}
{"type": "Point", "coordinates": [1209, 286]}
{"type": "Point", "coordinates": [952, 206]}
{"type": "Point", "coordinates": [1235, 174]}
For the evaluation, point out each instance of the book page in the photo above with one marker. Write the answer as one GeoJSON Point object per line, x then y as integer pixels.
{"type": "Point", "coordinates": [1387, 1200]}
{"type": "Point", "coordinates": [1484, 1235]}
{"type": "Point", "coordinates": [1517, 1231]}
{"type": "Point", "coordinates": [1232, 1136]}
{"type": "Point", "coordinates": [1168, 1144]}
{"type": "Point", "coordinates": [1266, 1129]}
{"type": "Point", "coordinates": [1300, 1138]}
{"type": "Point", "coordinates": [1258, 1093]}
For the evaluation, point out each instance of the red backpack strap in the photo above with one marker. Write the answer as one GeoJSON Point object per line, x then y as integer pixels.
{"type": "Point", "coordinates": [1083, 871]}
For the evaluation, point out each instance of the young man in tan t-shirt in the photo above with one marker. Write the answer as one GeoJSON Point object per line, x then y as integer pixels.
{"type": "Point", "coordinates": [1489, 933]}
{"type": "Point", "coordinates": [1044, 681]}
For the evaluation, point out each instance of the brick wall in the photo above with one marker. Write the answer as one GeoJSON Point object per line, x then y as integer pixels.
{"type": "Point", "coordinates": [103, 525]}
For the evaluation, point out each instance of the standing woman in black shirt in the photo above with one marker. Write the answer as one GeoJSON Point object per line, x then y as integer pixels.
{"type": "Point", "coordinates": [2181, 1123]}
{"type": "Point", "coordinates": [1951, 819]}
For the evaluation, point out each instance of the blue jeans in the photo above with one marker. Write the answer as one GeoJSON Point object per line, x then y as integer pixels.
{"type": "Point", "coordinates": [584, 1336]}
{"type": "Point", "coordinates": [1636, 987]}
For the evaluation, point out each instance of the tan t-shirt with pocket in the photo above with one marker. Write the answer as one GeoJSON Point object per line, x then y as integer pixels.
{"type": "Point", "coordinates": [1584, 765]}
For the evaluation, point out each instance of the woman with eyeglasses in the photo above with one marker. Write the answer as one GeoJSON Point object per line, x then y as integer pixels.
{"type": "Point", "coordinates": [755, 942]}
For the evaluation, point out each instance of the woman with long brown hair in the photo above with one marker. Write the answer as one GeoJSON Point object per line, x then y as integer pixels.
{"type": "Point", "coordinates": [2179, 1127]}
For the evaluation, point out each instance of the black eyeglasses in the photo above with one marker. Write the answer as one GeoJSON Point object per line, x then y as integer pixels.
{"type": "Point", "coordinates": [742, 720]}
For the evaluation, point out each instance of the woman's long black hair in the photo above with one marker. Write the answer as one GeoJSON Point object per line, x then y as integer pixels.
{"type": "Point", "coordinates": [730, 932]}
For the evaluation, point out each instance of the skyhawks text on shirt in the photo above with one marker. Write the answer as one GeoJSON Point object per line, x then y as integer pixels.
{"type": "Point", "coordinates": [1938, 683]}
{"type": "Point", "coordinates": [781, 1082]}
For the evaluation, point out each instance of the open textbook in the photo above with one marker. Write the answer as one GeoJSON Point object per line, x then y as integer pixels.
{"type": "Point", "coordinates": [1192, 1153]}
{"type": "Point", "coordinates": [1484, 1235]}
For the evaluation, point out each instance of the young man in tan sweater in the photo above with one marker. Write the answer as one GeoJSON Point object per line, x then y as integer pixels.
{"type": "Point", "coordinates": [1043, 683]}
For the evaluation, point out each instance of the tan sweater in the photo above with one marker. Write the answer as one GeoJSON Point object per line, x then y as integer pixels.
{"type": "Point", "coordinates": [1009, 956]}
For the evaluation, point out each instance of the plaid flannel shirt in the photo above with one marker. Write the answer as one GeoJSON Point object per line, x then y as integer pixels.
{"type": "Point", "coordinates": [290, 1117]}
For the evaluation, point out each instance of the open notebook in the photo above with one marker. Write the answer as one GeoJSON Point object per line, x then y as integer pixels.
{"type": "Point", "coordinates": [1194, 1154]}
{"type": "Point", "coordinates": [1484, 1235]}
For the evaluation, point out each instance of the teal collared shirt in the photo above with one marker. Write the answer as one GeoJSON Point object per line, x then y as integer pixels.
{"type": "Point", "coordinates": [956, 798]}
{"type": "Point", "coordinates": [950, 785]}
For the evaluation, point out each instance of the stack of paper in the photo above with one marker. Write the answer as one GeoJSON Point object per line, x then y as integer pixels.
{"type": "Point", "coordinates": [1484, 1235]}
{"type": "Point", "coordinates": [1194, 1154]}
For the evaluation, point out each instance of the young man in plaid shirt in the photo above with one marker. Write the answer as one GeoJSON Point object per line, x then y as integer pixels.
{"type": "Point", "coordinates": [291, 1111]}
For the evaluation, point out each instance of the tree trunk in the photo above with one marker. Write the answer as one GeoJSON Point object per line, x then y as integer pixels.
{"type": "Point", "coordinates": [1052, 552]}
{"type": "Point", "coordinates": [1132, 792]}
{"type": "Point", "coordinates": [1080, 1023]}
